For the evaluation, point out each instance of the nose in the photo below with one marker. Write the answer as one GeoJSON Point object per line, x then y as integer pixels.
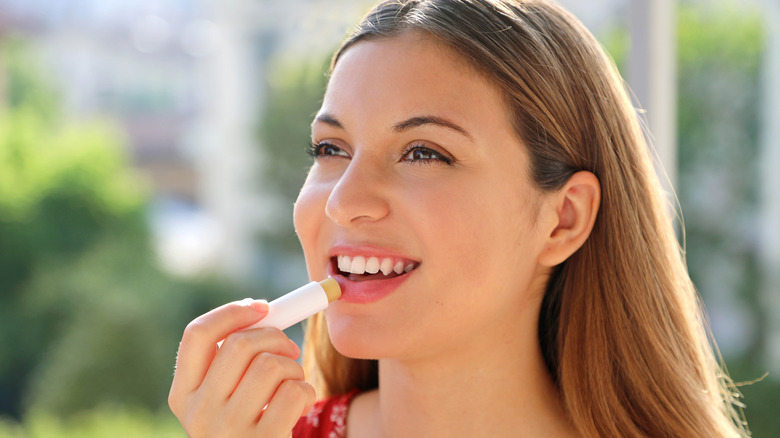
{"type": "Point", "coordinates": [359, 196]}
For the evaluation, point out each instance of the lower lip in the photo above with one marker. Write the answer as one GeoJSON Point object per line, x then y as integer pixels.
{"type": "Point", "coordinates": [368, 291]}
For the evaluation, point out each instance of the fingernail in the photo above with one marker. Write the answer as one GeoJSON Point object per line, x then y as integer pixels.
{"type": "Point", "coordinates": [261, 306]}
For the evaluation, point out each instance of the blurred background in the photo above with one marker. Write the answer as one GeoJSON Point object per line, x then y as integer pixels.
{"type": "Point", "coordinates": [150, 153]}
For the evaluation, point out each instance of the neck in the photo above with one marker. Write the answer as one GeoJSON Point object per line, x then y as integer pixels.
{"type": "Point", "coordinates": [496, 392]}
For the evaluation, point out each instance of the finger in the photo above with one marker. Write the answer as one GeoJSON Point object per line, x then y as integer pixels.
{"type": "Point", "coordinates": [198, 344]}
{"type": "Point", "coordinates": [263, 377]}
{"type": "Point", "coordinates": [237, 354]}
{"type": "Point", "coordinates": [289, 402]}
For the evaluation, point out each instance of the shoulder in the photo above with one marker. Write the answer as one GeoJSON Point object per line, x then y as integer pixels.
{"type": "Point", "coordinates": [328, 418]}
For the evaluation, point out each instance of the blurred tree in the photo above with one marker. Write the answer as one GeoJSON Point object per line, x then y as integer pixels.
{"type": "Point", "coordinates": [719, 62]}
{"type": "Point", "coordinates": [719, 125]}
{"type": "Point", "coordinates": [719, 59]}
{"type": "Point", "coordinates": [107, 421]}
{"type": "Point", "coordinates": [86, 318]}
{"type": "Point", "coordinates": [120, 321]}
{"type": "Point", "coordinates": [25, 85]}
{"type": "Point", "coordinates": [295, 91]}
{"type": "Point", "coordinates": [61, 187]}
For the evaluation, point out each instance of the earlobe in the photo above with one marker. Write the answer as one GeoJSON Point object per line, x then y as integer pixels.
{"type": "Point", "coordinates": [575, 207]}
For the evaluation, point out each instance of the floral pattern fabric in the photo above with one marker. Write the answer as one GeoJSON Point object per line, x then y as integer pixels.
{"type": "Point", "coordinates": [327, 419]}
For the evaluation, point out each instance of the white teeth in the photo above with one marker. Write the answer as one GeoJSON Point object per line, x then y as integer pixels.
{"type": "Point", "coordinates": [372, 265]}
{"type": "Point", "coordinates": [344, 263]}
{"type": "Point", "coordinates": [358, 265]}
{"type": "Point", "coordinates": [386, 266]}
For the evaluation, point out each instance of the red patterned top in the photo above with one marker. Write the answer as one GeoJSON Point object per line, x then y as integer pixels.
{"type": "Point", "coordinates": [327, 419]}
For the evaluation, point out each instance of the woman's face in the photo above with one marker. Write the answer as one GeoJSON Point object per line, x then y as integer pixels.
{"type": "Point", "coordinates": [417, 170]}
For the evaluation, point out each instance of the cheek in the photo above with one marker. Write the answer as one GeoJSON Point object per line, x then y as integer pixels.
{"type": "Point", "coordinates": [482, 239]}
{"type": "Point", "coordinates": [308, 217]}
{"type": "Point", "coordinates": [477, 222]}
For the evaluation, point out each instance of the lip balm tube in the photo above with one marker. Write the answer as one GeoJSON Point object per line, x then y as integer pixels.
{"type": "Point", "coordinates": [300, 304]}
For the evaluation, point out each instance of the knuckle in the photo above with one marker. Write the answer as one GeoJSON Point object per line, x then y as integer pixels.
{"type": "Point", "coordinates": [301, 374]}
{"type": "Point", "coordinates": [269, 363]}
{"type": "Point", "coordinates": [311, 393]}
{"type": "Point", "coordinates": [238, 341]}
{"type": "Point", "coordinates": [272, 332]}
{"type": "Point", "coordinates": [173, 403]}
{"type": "Point", "coordinates": [194, 329]}
{"type": "Point", "coordinates": [295, 389]}
{"type": "Point", "coordinates": [272, 335]}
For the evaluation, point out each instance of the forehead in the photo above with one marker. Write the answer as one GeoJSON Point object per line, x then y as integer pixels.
{"type": "Point", "coordinates": [410, 73]}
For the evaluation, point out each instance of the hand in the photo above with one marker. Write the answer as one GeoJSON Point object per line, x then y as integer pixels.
{"type": "Point", "coordinates": [250, 386]}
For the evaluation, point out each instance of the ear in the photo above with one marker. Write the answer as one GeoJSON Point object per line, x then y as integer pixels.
{"type": "Point", "coordinates": [571, 213]}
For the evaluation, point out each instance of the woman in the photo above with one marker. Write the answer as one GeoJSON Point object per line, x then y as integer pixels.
{"type": "Point", "coordinates": [482, 192]}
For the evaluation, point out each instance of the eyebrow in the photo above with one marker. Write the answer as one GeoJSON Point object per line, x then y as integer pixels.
{"type": "Point", "coordinates": [413, 122]}
{"type": "Point", "coordinates": [328, 120]}
{"type": "Point", "coordinates": [430, 120]}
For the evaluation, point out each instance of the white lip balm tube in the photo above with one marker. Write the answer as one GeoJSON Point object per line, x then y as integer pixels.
{"type": "Point", "coordinates": [300, 304]}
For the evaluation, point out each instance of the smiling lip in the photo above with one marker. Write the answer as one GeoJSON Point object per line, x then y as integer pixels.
{"type": "Point", "coordinates": [367, 289]}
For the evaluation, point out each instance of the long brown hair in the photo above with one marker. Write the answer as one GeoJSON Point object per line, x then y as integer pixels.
{"type": "Point", "coordinates": [621, 327]}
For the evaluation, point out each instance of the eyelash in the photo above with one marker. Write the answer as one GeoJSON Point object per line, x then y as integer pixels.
{"type": "Point", "coordinates": [419, 147]}
{"type": "Point", "coordinates": [315, 151]}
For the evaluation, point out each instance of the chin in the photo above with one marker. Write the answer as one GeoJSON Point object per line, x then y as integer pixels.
{"type": "Point", "coordinates": [362, 341]}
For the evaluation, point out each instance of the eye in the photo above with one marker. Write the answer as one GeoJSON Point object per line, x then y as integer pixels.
{"type": "Point", "coordinates": [417, 153]}
{"type": "Point", "coordinates": [325, 149]}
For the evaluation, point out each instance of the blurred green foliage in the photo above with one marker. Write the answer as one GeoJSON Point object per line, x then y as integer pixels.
{"type": "Point", "coordinates": [120, 320]}
{"type": "Point", "coordinates": [25, 85]}
{"type": "Point", "coordinates": [295, 91]}
{"type": "Point", "coordinates": [719, 60]}
{"type": "Point", "coordinates": [719, 125]}
{"type": "Point", "coordinates": [86, 317]}
{"type": "Point", "coordinates": [110, 421]}
{"type": "Point", "coordinates": [62, 186]}
{"type": "Point", "coordinates": [719, 122]}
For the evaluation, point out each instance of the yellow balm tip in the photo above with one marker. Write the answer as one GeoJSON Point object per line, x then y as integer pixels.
{"type": "Point", "coordinates": [332, 289]}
